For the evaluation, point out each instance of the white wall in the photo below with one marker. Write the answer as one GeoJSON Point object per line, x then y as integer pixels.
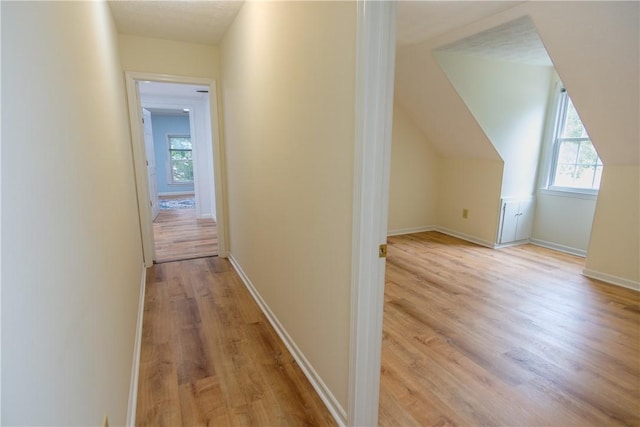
{"type": "Point", "coordinates": [288, 86]}
{"type": "Point", "coordinates": [509, 101]}
{"type": "Point", "coordinates": [563, 221]}
{"type": "Point", "coordinates": [72, 259]}
{"type": "Point", "coordinates": [413, 186]}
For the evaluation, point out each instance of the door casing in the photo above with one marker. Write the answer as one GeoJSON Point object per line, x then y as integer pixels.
{"type": "Point", "coordinates": [139, 158]}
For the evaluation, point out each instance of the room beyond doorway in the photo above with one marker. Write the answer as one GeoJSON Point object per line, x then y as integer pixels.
{"type": "Point", "coordinates": [179, 234]}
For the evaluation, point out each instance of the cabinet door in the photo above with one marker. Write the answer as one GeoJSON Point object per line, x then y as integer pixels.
{"type": "Point", "coordinates": [525, 220]}
{"type": "Point", "coordinates": [510, 211]}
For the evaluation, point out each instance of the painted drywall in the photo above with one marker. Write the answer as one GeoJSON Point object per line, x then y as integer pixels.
{"type": "Point", "coordinates": [72, 258]}
{"type": "Point", "coordinates": [160, 56]}
{"type": "Point", "coordinates": [288, 88]}
{"type": "Point", "coordinates": [509, 100]}
{"type": "Point", "coordinates": [423, 91]}
{"type": "Point", "coordinates": [599, 62]}
{"type": "Point", "coordinates": [614, 249]}
{"type": "Point", "coordinates": [413, 187]}
{"type": "Point", "coordinates": [563, 221]}
{"type": "Point", "coordinates": [164, 125]}
{"type": "Point", "coordinates": [472, 184]}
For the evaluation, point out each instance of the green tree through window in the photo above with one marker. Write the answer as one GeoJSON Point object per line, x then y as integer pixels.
{"type": "Point", "coordinates": [181, 159]}
{"type": "Point", "coordinates": [576, 164]}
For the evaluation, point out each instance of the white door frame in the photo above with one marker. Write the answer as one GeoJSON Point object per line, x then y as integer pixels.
{"type": "Point", "coordinates": [139, 158]}
{"type": "Point", "coordinates": [375, 67]}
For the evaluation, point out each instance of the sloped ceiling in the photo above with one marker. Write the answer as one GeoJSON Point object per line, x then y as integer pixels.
{"type": "Point", "coordinates": [597, 60]}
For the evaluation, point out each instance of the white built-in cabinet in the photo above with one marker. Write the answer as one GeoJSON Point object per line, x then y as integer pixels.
{"type": "Point", "coordinates": [516, 219]}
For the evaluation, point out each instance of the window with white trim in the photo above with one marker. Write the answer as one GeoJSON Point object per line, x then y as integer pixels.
{"type": "Point", "coordinates": [575, 165]}
{"type": "Point", "coordinates": [180, 159]}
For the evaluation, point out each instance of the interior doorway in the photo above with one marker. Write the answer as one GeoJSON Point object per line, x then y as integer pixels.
{"type": "Point", "coordinates": [175, 145]}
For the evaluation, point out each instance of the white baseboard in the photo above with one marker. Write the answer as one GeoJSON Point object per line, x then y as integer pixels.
{"type": "Point", "coordinates": [401, 231]}
{"type": "Point", "coordinates": [204, 216]}
{"type": "Point", "coordinates": [338, 413]}
{"type": "Point", "coordinates": [614, 280]}
{"type": "Point", "coordinates": [177, 193]}
{"type": "Point", "coordinates": [135, 367]}
{"type": "Point", "coordinates": [466, 237]}
{"type": "Point", "coordinates": [558, 247]}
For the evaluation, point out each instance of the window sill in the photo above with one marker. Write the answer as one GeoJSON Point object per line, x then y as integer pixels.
{"type": "Point", "coordinates": [576, 194]}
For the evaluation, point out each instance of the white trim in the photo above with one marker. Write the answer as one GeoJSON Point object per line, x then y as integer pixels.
{"type": "Point", "coordinates": [139, 158]}
{"type": "Point", "coordinates": [574, 194]}
{"type": "Point", "coordinates": [611, 279]}
{"type": "Point", "coordinates": [375, 66]}
{"type": "Point", "coordinates": [510, 244]}
{"type": "Point", "coordinates": [560, 248]}
{"type": "Point", "coordinates": [466, 237]}
{"type": "Point", "coordinates": [320, 387]}
{"type": "Point", "coordinates": [412, 230]}
{"type": "Point", "coordinates": [135, 367]}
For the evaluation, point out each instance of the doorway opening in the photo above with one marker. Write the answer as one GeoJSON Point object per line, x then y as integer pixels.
{"type": "Point", "coordinates": [175, 155]}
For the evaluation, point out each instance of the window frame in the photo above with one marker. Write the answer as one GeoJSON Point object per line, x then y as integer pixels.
{"type": "Point", "coordinates": [170, 176]}
{"type": "Point", "coordinates": [560, 115]}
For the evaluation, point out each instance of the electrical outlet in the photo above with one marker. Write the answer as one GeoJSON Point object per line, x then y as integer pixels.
{"type": "Point", "coordinates": [105, 423]}
{"type": "Point", "coordinates": [465, 213]}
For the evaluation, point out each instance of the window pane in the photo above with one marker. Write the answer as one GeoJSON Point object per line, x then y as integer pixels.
{"type": "Point", "coordinates": [573, 127]}
{"type": "Point", "coordinates": [181, 155]}
{"type": "Point", "coordinates": [568, 152]}
{"type": "Point", "coordinates": [180, 143]}
{"type": "Point", "coordinates": [588, 155]}
{"type": "Point", "coordinates": [584, 176]}
{"type": "Point", "coordinates": [182, 170]}
{"type": "Point", "coordinates": [564, 175]}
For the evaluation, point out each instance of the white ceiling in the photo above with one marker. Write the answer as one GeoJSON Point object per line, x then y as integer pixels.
{"type": "Point", "coordinates": [419, 21]}
{"type": "Point", "coordinates": [190, 21]}
{"type": "Point", "coordinates": [207, 21]}
{"type": "Point", "coordinates": [171, 89]}
{"type": "Point", "coordinates": [515, 41]}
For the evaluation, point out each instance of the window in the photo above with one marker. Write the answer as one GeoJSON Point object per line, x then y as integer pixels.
{"type": "Point", "coordinates": [575, 165]}
{"type": "Point", "coordinates": [180, 159]}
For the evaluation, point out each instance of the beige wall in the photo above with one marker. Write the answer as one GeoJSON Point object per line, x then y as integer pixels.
{"type": "Point", "coordinates": [71, 250]}
{"type": "Point", "coordinates": [614, 248]}
{"type": "Point", "coordinates": [472, 184]}
{"type": "Point", "coordinates": [413, 188]}
{"type": "Point", "coordinates": [288, 90]}
{"type": "Point", "coordinates": [160, 56]}
{"type": "Point", "coordinates": [606, 69]}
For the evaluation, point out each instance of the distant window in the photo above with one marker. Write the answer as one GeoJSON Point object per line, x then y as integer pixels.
{"type": "Point", "coordinates": [575, 165]}
{"type": "Point", "coordinates": [180, 159]}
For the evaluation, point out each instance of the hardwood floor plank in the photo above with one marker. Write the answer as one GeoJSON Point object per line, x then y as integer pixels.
{"type": "Point", "coordinates": [209, 356]}
{"type": "Point", "coordinates": [516, 336]}
{"type": "Point", "coordinates": [178, 234]}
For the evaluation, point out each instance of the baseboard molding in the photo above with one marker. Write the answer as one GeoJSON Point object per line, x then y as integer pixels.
{"type": "Point", "coordinates": [466, 237]}
{"type": "Point", "coordinates": [204, 216]}
{"type": "Point", "coordinates": [559, 248]}
{"type": "Point", "coordinates": [178, 193]}
{"type": "Point", "coordinates": [411, 230]}
{"type": "Point", "coordinates": [135, 367]}
{"type": "Point", "coordinates": [338, 413]}
{"type": "Point", "coordinates": [611, 279]}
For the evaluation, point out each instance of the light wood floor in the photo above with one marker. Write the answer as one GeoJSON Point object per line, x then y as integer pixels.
{"type": "Point", "coordinates": [210, 357]}
{"type": "Point", "coordinates": [179, 235]}
{"type": "Point", "coordinates": [511, 337]}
